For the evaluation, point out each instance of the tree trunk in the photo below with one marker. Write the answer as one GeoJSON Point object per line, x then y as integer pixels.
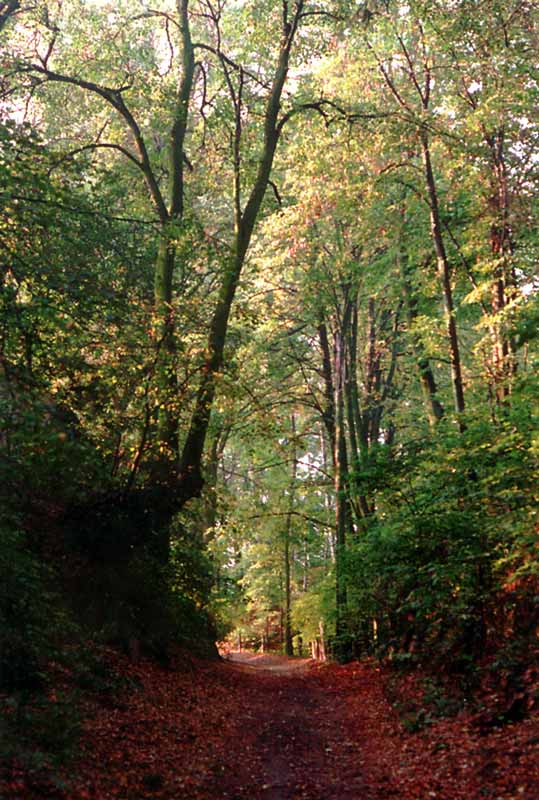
{"type": "Point", "coordinates": [165, 372]}
{"type": "Point", "coordinates": [341, 505]}
{"type": "Point", "coordinates": [322, 649]}
{"type": "Point", "coordinates": [171, 213]}
{"type": "Point", "coordinates": [288, 645]}
{"type": "Point", "coordinates": [191, 480]}
{"type": "Point", "coordinates": [358, 450]}
{"type": "Point", "coordinates": [433, 406]}
{"type": "Point", "coordinates": [444, 273]}
{"type": "Point", "coordinates": [501, 244]}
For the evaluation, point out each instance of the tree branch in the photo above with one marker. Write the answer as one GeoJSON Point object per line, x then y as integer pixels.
{"type": "Point", "coordinates": [114, 98]}
{"type": "Point", "coordinates": [95, 146]}
{"type": "Point", "coordinates": [320, 107]}
{"type": "Point", "coordinates": [217, 52]}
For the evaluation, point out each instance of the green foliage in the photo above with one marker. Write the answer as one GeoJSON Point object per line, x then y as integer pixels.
{"type": "Point", "coordinates": [311, 608]}
{"type": "Point", "coordinates": [456, 526]}
{"type": "Point", "coordinates": [69, 271]}
{"type": "Point", "coordinates": [40, 732]}
{"type": "Point", "coordinates": [441, 700]}
{"type": "Point", "coordinates": [30, 618]}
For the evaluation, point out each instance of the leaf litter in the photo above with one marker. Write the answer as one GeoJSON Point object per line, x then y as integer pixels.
{"type": "Point", "coordinates": [278, 729]}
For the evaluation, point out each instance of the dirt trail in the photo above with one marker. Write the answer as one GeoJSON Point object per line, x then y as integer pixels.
{"type": "Point", "coordinates": [295, 734]}
{"type": "Point", "coordinates": [268, 728]}
{"type": "Point", "coordinates": [308, 731]}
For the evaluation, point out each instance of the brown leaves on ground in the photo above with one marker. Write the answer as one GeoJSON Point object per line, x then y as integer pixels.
{"type": "Point", "coordinates": [278, 730]}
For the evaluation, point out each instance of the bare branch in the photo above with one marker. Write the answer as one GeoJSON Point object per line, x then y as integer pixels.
{"type": "Point", "coordinates": [306, 517]}
{"type": "Point", "coordinates": [72, 209]}
{"type": "Point", "coordinates": [216, 51]}
{"type": "Point", "coordinates": [321, 107]}
{"type": "Point", "coordinates": [114, 98]}
{"type": "Point", "coordinates": [95, 146]}
{"type": "Point", "coordinates": [324, 14]}
{"type": "Point", "coordinates": [423, 97]}
{"type": "Point", "coordinates": [389, 82]}
{"type": "Point", "coordinates": [153, 13]}
{"type": "Point", "coordinates": [276, 193]}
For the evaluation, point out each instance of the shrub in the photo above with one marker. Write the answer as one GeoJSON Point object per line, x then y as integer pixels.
{"type": "Point", "coordinates": [28, 615]}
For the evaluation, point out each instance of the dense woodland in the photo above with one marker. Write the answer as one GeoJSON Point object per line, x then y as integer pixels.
{"type": "Point", "coordinates": [269, 331]}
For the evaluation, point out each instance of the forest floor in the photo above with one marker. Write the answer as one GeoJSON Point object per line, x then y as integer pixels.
{"type": "Point", "coordinates": [278, 729]}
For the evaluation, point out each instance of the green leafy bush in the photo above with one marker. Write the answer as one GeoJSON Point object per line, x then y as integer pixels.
{"type": "Point", "coordinates": [29, 618]}
{"type": "Point", "coordinates": [452, 541]}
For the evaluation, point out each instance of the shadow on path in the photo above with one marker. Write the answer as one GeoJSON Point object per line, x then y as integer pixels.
{"type": "Point", "coordinates": [293, 731]}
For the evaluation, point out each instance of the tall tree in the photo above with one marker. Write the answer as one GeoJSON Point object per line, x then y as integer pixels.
{"type": "Point", "coordinates": [407, 71]}
{"type": "Point", "coordinates": [55, 62]}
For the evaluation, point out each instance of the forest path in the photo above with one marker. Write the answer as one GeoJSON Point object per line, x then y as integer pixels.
{"type": "Point", "coordinates": [299, 732]}
{"type": "Point", "coordinates": [257, 727]}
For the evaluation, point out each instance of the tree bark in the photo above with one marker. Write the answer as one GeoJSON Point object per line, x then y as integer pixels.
{"type": "Point", "coordinates": [164, 327]}
{"type": "Point", "coordinates": [341, 505]}
{"type": "Point", "coordinates": [288, 645]}
{"type": "Point", "coordinates": [358, 451]}
{"type": "Point", "coordinates": [501, 245]}
{"type": "Point", "coordinates": [444, 273]}
{"type": "Point", "coordinates": [333, 418]}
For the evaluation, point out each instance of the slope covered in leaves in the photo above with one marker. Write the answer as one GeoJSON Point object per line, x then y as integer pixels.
{"type": "Point", "coordinates": [272, 729]}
